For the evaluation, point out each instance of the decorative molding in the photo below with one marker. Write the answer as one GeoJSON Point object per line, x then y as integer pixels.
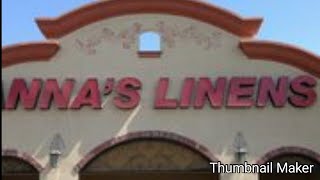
{"type": "Point", "coordinates": [282, 53]}
{"type": "Point", "coordinates": [199, 10]}
{"type": "Point", "coordinates": [148, 155]}
{"type": "Point", "coordinates": [206, 40]}
{"type": "Point", "coordinates": [129, 37]}
{"type": "Point", "coordinates": [161, 135]}
{"type": "Point", "coordinates": [287, 150]}
{"type": "Point", "coordinates": [24, 157]}
{"type": "Point", "coordinates": [28, 52]}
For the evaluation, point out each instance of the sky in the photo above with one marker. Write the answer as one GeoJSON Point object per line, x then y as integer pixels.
{"type": "Point", "coordinates": [296, 22]}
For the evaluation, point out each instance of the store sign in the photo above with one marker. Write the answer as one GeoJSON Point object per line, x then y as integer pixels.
{"type": "Point", "coordinates": [234, 92]}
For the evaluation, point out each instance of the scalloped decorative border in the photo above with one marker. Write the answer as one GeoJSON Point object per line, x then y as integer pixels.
{"type": "Point", "coordinates": [24, 157]}
{"type": "Point", "coordinates": [161, 135]}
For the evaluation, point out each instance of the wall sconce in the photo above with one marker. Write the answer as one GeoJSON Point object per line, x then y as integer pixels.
{"type": "Point", "coordinates": [240, 148]}
{"type": "Point", "coordinates": [56, 150]}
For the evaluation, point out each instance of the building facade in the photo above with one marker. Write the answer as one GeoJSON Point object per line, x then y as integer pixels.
{"type": "Point", "coordinates": [91, 102]}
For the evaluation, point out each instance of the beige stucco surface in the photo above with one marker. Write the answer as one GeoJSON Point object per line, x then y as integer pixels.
{"type": "Point", "coordinates": [264, 129]}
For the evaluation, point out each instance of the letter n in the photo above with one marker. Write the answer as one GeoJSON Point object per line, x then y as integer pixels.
{"type": "Point", "coordinates": [19, 91]}
{"type": "Point", "coordinates": [276, 93]}
{"type": "Point", "coordinates": [52, 92]}
{"type": "Point", "coordinates": [206, 90]}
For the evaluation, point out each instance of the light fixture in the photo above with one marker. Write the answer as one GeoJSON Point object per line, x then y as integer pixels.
{"type": "Point", "coordinates": [56, 150]}
{"type": "Point", "coordinates": [240, 148]}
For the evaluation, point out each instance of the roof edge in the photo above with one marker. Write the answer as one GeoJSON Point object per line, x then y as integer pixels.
{"type": "Point", "coordinates": [99, 10]}
{"type": "Point", "coordinates": [28, 52]}
{"type": "Point", "coordinates": [282, 53]}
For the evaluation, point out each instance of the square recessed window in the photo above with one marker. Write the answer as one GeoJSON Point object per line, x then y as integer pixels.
{"type": "Point", "coordinates": [149, 44]}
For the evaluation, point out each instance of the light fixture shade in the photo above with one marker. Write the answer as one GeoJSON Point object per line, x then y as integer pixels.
{"type": "Point", "coordinates": [240, 147]}
{"type": "Point", "coordinates": [57, 144]}
{"type": "Point", "coordinates": [57, 147]}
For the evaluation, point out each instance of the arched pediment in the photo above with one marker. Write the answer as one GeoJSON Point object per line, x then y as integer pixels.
{"type": "Point", "coordinates": [199, 10]}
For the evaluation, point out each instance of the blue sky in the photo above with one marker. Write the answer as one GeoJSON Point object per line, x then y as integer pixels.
{"type": "Point", "coordinates": [292, 21]}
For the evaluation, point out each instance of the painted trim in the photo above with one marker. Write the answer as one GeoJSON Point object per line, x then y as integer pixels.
{"type": "Point", "coordinates": [282, 53]}
{"type": "Point", "coordinates": [149, 54]}
{"type": "Point", "coordinates": [196, 9]}
{"type": "Point", "coordinates": [24, 157]}
{"type": "Point", "coordinates": [28, 52]}
{"type": "Point", "coordinates": [289, 150]}
{"type": "Point", "coordinates": [161, 135]}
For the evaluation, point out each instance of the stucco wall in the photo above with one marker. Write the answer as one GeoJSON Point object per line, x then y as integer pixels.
{"type": "Point", "coordinates": [191, 49]}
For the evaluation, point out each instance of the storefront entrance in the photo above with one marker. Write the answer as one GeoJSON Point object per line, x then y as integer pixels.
{"type": "Point", "coordinates": [149, 159]}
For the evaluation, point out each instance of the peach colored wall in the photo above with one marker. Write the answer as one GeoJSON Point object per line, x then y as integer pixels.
{"type": "Point", "coordinates": [190, 48]}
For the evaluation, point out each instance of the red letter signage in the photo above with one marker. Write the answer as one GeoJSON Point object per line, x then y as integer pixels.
{"type": "Point", "coordinates": [161, 101]}
{"type": "Point", "coordinates": [237, 92]}
{"type": "Point", "coordinates": [214, 94]}
{"type": "Point", "coordinates": [19, 90]}
{"type": "Point", "coordinates": [52, 91]}
{"type": "Point", "coordinates": [128, 97]}
{"type": "Point", "coordinates": [277, 94]}
{"type": "Point", "coordinates": [304, 94]}
{"type": "Point", "coordinates": [89, 95]}
{"type": "Point", "coordinates": [241, 92]}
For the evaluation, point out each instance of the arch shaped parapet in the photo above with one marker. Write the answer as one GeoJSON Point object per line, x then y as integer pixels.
{"type": "Point", "coordinates": [289, 150]}
{"type": "Point", "coordinates": [199, 10]}
{"type": "Point", "coordinates": [161, 135]}
{"type": "Point", "coordinates": [24, 157]}
{"type": "Point", "coordinates": [282, 53]}
{"type": "Point", "coordinates": [196, 9]}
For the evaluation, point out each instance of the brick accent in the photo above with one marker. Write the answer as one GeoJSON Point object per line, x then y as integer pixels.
{"type": "Point", "coordinates": [24, 157]}
{"type": "Point", "coordinates": [160, 135]}
{"type": "Point", "coordinates": [289, 150]}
